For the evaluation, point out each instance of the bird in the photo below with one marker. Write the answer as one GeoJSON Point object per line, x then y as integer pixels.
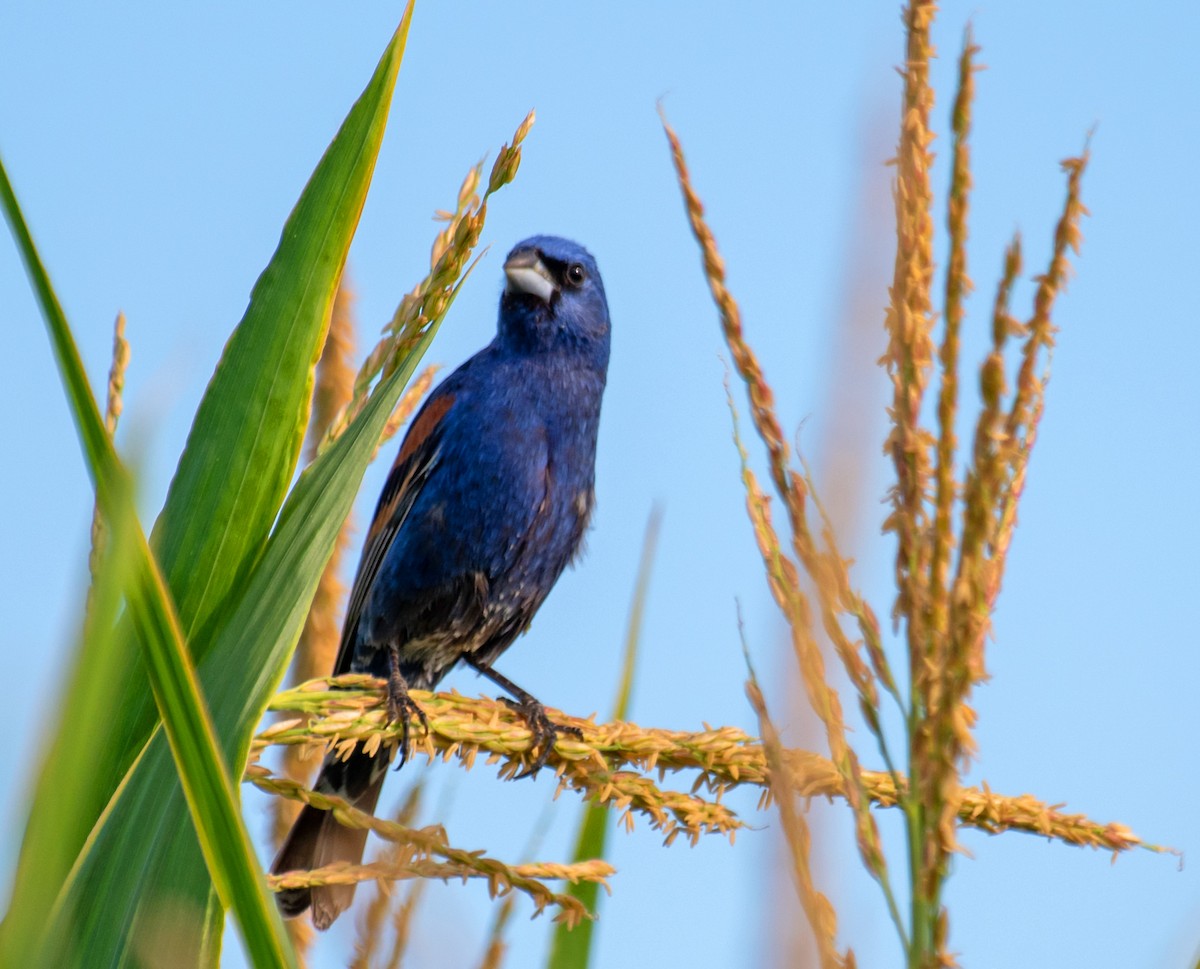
{"type": "Point", "coordinates": [488, 501]}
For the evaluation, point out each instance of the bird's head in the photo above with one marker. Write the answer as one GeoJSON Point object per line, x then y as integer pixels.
{"type": "Point", "coordinates": [554, 299]}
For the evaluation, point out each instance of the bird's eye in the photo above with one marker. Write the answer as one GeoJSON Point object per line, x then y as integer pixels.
{"type": "Point", "coordinates": [576, 274]}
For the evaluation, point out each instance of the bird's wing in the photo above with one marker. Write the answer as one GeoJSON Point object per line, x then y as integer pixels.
{"type": "Point", "coordinates": [418, 457]}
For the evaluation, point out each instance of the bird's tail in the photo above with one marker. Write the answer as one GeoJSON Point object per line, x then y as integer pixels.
{"type": "Point", "coordinates": [317, 839]}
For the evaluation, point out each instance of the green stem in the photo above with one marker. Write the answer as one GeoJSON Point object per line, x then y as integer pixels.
{"type": "Point", "coordinates": [922, 948]}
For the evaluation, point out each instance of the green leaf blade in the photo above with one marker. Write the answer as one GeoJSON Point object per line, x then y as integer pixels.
{"type": "Point", "coordinates": [130, 833]}
{"type": "Point", "coordinates": [246, 438]}
{"type": "Point", "coordinates": [238, 676]}
{"type": "Point", "coordinates": [227, 848]}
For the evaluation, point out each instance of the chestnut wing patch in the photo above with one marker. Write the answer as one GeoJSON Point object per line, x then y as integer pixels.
{"type": "Point", "coordinates": [417, 458]}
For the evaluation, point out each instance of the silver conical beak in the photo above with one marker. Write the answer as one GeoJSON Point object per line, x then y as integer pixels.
{"type": "Point", "coordinates": [528, 274]}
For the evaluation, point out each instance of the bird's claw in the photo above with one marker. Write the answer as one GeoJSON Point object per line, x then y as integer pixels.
{"type": "Point", "coordinates": [543, 730]}
{"type": "Point", "coordinates": [402, 707]}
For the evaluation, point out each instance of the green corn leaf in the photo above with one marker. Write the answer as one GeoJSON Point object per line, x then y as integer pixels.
{"type": "Point", "coordinates": [245, 440]}
{"type": "Point", "coordinates": [207, 790]}
{"type": "Point", "coordinates": [68, 766]}
{"type": "Point", "coordinates": [572, 948]}
{"type": "Point", "coordinates": [240, 456]}
{"type": "Point", "coordinates": [243, 668]}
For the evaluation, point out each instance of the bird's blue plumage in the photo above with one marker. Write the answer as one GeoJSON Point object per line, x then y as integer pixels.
{"type": "Point", "coordinates": [486, 504]}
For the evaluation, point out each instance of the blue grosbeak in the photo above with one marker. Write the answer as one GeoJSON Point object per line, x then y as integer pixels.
{"type": "Point", "coordinates": [486, 504]}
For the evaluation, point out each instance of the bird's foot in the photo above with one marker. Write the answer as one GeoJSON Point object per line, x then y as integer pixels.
{"type": "Point", "coordinates": [402, 707]}
{"type": "Point", "coordinates": [544, 731]}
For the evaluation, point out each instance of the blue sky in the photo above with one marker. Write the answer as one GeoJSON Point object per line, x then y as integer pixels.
{"type": "Point", "coordinates": [157, 152]}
